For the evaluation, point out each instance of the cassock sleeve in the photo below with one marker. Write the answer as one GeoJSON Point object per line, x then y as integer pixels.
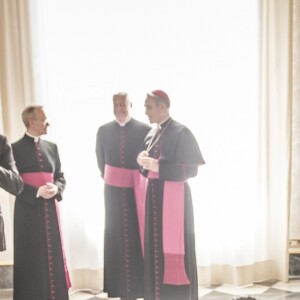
{"type": "Point", "coordinates": [10, 179]}
{"type": "Point", "coordinates": [181, 157]}
{"type": "Point", "coordinates": [100, 151]}
{"type": "Point", "coordinates": [59, 179]}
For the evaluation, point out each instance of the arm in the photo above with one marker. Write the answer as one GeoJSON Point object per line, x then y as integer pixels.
{"type": "Point", "coordinates": [59, 179]}
{"type": "Point", "coordinates": [100, 152]}
{"type": "Point", "coordinates": [185, 160]}
{"type": "Point", "coordinates": [10, 179]}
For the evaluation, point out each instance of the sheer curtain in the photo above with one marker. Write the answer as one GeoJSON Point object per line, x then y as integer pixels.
{"type": "Point", "coordinates": [207, 56]}
{"type": "Point", "coordinates": [295, 154]}
{"type": "Point", "coordinates": [276, 124]}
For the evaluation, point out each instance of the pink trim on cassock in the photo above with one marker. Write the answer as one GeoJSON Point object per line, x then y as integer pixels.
{"type": "Point", "coordinates": [38, 179]}
{"type": "Point", "coordinates": [62, 246]}
{"type": "Point", "coordinates": [128, 178]}
{"type": "Point", "coordinates": [173, 232]}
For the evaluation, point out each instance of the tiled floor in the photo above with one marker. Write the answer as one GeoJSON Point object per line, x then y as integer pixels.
{"type": "Point", "coordinates": [269, 290]}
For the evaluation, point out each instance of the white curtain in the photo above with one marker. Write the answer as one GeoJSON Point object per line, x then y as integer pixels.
{"type": "Point", "coordinates": [295, 154]}
{"type": "Point", "coordinates": [276, 123]}
{"type": "Point", "coordinates": [227, 68]}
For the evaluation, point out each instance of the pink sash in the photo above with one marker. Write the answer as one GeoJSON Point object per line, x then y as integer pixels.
{"type": "Point", "coordinates": [128, 178]}
{"type": "Point", "coordinates": [38, 179]}
{"type": "Point", "coordinates": [173, 232]}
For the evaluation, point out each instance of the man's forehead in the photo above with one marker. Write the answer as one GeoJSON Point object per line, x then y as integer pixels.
{"type": "Point", "coordinates": [120, 97]}
{"type": "Point", "coordinates": [149, 100]}
{"type": "Point", "coordinates": [40, 111]}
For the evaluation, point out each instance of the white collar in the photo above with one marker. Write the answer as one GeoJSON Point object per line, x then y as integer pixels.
{"type": "Point", "coordinates": [36, 138]}
{"type": "Point", "coordinates": [126, 121]}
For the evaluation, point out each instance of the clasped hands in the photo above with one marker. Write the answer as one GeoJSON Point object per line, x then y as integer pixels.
{"type": "Point", "coordinates": [147, 163]}
{"type": "Point", "coordinates": [47, 191]}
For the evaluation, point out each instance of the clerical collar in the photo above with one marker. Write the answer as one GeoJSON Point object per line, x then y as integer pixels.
{"type": "Point", "coordinates": [124, 123]}
{"type": "Point", "coordinates": [162, 124]}
{"type": "Point", "coordinates": [35, 138]}
{"type": "Point", "coordinates": [159, 132]}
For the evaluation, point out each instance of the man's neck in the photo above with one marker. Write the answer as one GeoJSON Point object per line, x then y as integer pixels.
{"type": "Point", "coordinates": [124, 122]}
{"type": "Point", "coordinates": [164, 120]}
{"type": "Point", "coordinates": [35, 137]}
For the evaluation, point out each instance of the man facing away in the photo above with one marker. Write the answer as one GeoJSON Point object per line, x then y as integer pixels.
{"type": "Point", "coordinates": [40, 271]}
{"type": "Point", "coordinates": [170, 158]}
{"type": "Point", "coordinates": [10, 179]}
{"type": "Point", "coordinates": [117, 146]}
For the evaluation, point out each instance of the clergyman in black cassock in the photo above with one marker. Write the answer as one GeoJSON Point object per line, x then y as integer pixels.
{"type": "Point", "coordinates": [170, 158]}
{"type": "Point", "coordinates": [117, 145]}
{"type": "Point", "coordinates": [40, 271]}
{"type": "Point", "coordinates": [10, 179]}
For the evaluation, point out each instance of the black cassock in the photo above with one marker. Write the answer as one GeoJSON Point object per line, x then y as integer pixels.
{"type": "Point", "coordinates": [179, 157]}
{"type": "Point", "coordinates": [119, 146]}
{"type": "Point", "coordinates": [39, 268]}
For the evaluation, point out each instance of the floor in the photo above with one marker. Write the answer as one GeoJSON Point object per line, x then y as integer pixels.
{"type": "Point", "coordinates": [269, 290]}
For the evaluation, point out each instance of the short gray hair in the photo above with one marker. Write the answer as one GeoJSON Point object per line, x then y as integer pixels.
{"type": "Point", "coordinates": [29, 113]}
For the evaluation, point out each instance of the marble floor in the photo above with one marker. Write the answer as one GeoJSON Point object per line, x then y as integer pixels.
{"type": "Point", "coordinates": [268, 290]}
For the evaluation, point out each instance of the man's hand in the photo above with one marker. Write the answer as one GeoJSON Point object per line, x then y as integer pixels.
{"type": "Point", "coordinates": [47, 191]}
{"type": "Point", "coordinates": [148, 163]}
{"type": "Point", "coordinates": [141, 156]}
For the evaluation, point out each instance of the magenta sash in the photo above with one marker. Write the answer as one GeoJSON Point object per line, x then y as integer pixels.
{"type": "Point", "coordinates": [128, 178]}
{"type": "Point", "coordinates": [173, 232]}
{"type": "Point", "coordinates": [38, 179]}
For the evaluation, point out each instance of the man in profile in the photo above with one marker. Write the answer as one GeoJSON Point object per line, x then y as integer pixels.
{"type": "Point", "coordinates": [40, 270]}
{"type": "Point", "coordinates": [171, 157]}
